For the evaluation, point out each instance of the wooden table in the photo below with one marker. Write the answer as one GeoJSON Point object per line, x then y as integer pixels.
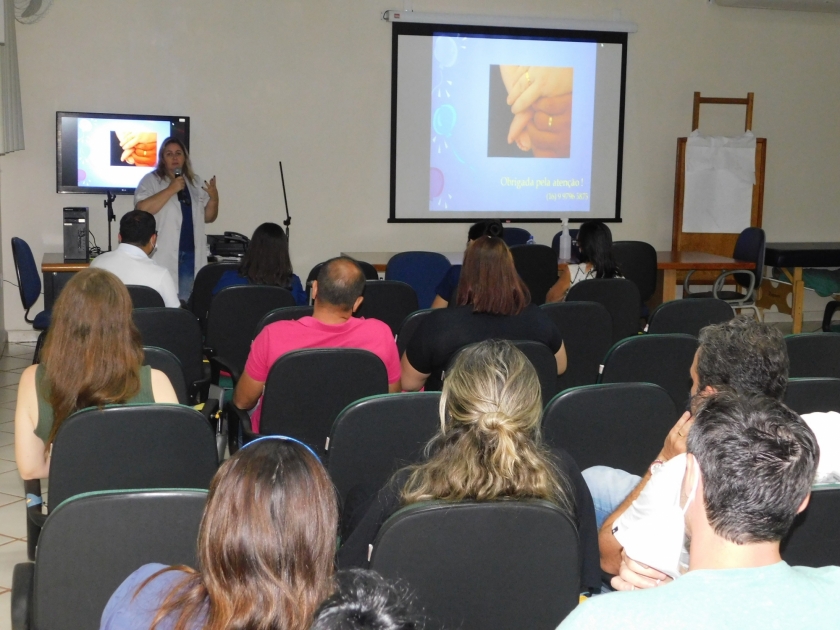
{"type": "Point", "coordinates": [379, 260]}
{"type": "Point", "coordinates": [56, 273]}
{"type": "Point", "coordinates": [669, 263]}
{"type": "Point", "coordinates": [799, 256]}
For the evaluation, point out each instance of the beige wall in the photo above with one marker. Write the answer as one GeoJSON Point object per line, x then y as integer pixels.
{"type": "Point", "coordinates": [308, 82]}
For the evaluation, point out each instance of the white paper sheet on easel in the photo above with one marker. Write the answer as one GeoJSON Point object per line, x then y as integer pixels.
{"type": "Point", "coordinates": [719, 179]}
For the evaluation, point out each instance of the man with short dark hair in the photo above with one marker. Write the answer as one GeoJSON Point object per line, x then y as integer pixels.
{"type": "Point", "coordinates": [337, 294]}
{"type": "Point", "coordinates": [748, 473]}
{"type": "Point", "coordinates": [131, 261]}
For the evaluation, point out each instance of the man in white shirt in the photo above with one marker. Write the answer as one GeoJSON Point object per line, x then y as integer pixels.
{"type": "Point", "coordinates": [740, 355]}
{"type": "Point", "coordinates": [130, 262]}
{"type": "Point", "coordinates": [748, 471]}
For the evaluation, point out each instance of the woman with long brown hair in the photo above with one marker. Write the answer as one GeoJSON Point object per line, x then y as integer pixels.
{"type": "Point", "coordinates": [491, 302]}
{"type": "Point", "coordinates": [489, 448]}
{"type": "Point", "coordinates": [92, 356]}
{"type": "Point", "coordinates": [266, 550]}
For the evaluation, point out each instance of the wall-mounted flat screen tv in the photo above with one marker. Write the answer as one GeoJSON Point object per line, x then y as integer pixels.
{"type": "Point", "coordinates": [96, 153]}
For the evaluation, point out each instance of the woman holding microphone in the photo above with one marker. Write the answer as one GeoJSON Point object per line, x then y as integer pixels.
{"type": "Point", "coordinates": [181, 208]}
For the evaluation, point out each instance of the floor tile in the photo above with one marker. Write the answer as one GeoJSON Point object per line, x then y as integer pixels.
{"type": "Point", "coordinates": [6, 438]}
{"type": "Point", "coordinates": [11, 554]}
{"type": "Point", "coordinates": [6, 611]}
{"type": "Point", "coordinates": [8, 427]}
{"type": "Point", "coordinates": [18, 370]}
{"type": "Point", "coordinates": [8, 405]}
{"type": "Point", "coordinates": [8, 395]}
{"type": "Point", "coordinates": [7, 415]}
{"type": "Point", "coordinates": [9, 379]}
{"type": "Point", "coordinates": [23, 350]}
{"type": "Point", "coordinates": [6, 466]}
{"type": "Point", "coordinates": [11, 484]}
{"type": "Point", "coordinates": [13, 520]}
{"type": "Point", "coordinates": [14, 363]}
{"type": "Point", "coordinates": [7, 453]}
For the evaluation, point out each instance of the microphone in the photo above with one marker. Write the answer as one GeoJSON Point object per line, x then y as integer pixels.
{"type": "Point", "coordinates": [184, 194]}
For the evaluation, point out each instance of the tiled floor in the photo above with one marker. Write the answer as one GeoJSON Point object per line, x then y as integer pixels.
{"type": "Point", "coordinates": [15, 358]}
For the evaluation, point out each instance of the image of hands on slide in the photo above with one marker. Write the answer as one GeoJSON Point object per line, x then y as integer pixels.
{"type": "Point", "coordinates": [133, 148]}
{"type": "Point", "coordinates": [105, 146]}
{"type": "Point", "coordinates": [540, 111]}
{"type": "Point", "coordinates": [495, 101]}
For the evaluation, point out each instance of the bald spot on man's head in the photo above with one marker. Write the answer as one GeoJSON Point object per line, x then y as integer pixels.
{"type": "Point", "coordinates": [340, 282]}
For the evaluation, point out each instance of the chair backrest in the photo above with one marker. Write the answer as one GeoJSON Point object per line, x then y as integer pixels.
{"type": "Point", "coordinates": [688, 316]}
{"type": "Point", "coordinates": [537, 266]}
{"type": "Point", "coordinates": [807, 395]}
{"type": "Point", "coordinates": [233, 317]}
{"type": "Point", "coordinates": [484, 566]}
{"type": "Point", "coordinates": [516, 236]}
{"type": "Point", "coordinates": [307, 389]}
{"type": "Point", "coordinates": [619, 296]}
{"type": "Point", "coordinates": [814, 354]}
{"type": "Point", "coordinates": [663, 360]}
{"type": "Point", "coordinates": [176, 330]}
{"type": "Point", "coordinates": [389, 301]}
{"type": "Point", "coordinates": [637, 262]}
{"type": "Point", "coordinates": [144, 297]}
{"type": "Point", "coordinates": [132, 446]}
{"type": "Point", "coordinates": [408, 327]}
{"type": "Point", "coordinates": [622, 425]}
{"type": "Point", "coordinates": [283, 314]}
{"type": "Point", "coordinates": [168, 363]}
{"type": "Point", "coordinates": [814, 539]}
{"type": "Point", "coordinates": [374, 437]}
{"type": "Point", "coordinates": [29, 280]}
{"type": "Point", "coordinates": [587, 335]}
{"type": "Point", "coordinates": [202, 293]}
{"type": "Point", "coordinates": [750, 247]}
{"type": "Point", "coordinates": [421, 270]}
{"type": "Point", "coordinates": [555, 244]}
{"type": "Point", "coordinates": [92, 542]}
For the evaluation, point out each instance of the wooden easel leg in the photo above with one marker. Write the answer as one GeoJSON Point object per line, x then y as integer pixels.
{"type": "Point", "coordinates": [798, 299]}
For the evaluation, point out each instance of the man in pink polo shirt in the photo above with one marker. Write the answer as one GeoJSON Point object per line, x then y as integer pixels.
{"type": "Point", "coordinates": [337, 294]}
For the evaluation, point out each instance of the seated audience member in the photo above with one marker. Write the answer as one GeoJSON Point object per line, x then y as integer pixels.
{"type": "Point", "coordinates": [740, 355]}
{"type": "Point", "coordinates": [492, 303]}
{"type": "Point", "coordinates": [489, 448]}
{"type": "Point", "coordinates": [596, 260]}
{"type": "Point", "coordinates": [266, 550]}
{"type": "Point", "coordinates": [364, 600]}
{"type": "Point", "coordinates": [266, 261]}
{"type": "Point", "coordinates": [92, 356]}
{"type": "Point", "coordinates": [748, 473]}
{"type": "Point", "coordinates": [337, 294]}
{"type": "Point", "coordinates": [131, 261]}
{"type": "Point", "coordinates": [445, 290]}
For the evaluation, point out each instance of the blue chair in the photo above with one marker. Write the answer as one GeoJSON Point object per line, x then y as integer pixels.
{"type": "Point", "coordinates": [516, 236]}
{"type": "Point", "coordinates": [29, 282]}
{"type": "Point", "coordinates": [420, 270]}
{"type": "Point", "coordinates": [748, 247]}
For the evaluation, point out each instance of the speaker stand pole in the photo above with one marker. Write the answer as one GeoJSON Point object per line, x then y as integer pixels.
{"type": "Point", "coordinates": [109, 204]}
{"type": "Point", "coordinates": [288, 221]}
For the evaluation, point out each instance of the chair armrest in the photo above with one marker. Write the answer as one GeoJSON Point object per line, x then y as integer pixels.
{"type": "Point", "coordinates": [23, 582]}
{"type": "Point", "coordinates": [217, 364]}
{"type": "Point", "coordinates": [35, 517]}
{"type": "Point", "coordinates": [721, 280]}
{"type": "Point", "coordinates": [830, 308]}
{"type": "Point", "coordinates": [687, 282]}
{"type": "Point", "coordinates": [239, 423]}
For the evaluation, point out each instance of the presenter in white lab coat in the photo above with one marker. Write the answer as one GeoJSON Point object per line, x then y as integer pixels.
{"type": "Point", "coordinates": [172, 192]}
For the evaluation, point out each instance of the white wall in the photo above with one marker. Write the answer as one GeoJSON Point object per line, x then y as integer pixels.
{"type": "Point", "coordinates": [308, 82]}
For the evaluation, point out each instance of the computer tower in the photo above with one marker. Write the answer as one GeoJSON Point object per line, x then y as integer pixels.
{"type": "Point", "coordinates": [76, 234]}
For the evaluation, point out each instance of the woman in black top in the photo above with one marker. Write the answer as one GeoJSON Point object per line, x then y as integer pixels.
{"type": "Point", "coordinates": [492, 302]}
{"type": "Point", "coordinates": [489, 448]}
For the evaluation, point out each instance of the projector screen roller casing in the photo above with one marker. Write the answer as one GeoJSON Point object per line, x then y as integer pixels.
{"type": "Point", "coordinates": [450, 155]}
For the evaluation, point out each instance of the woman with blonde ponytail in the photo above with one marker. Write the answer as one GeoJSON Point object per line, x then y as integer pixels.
{"type": "Point", "coordinates": [489, 448]}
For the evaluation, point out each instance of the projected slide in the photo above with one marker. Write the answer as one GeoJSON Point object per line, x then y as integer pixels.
{"type": "Point", "coordinates": [117, 153]}
{"type": "Point", "coordinates": [511, 124]}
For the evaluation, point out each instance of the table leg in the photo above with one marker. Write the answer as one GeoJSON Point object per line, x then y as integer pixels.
{"type": "Point", "coordinates": [798, 298]}
{"type": "Point", "coordinates": [669, 285]}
